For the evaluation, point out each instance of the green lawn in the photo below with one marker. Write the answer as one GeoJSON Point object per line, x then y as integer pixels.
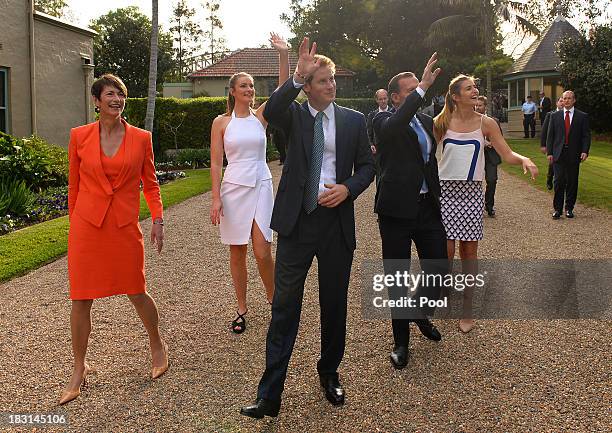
{"type": "Point", "coordinates": [32, 247]}
{"type": "Point", "coordinates": [594, 186]}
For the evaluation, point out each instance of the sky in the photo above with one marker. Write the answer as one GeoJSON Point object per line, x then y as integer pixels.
{"type": "Point", "coordinates": [246, 23]}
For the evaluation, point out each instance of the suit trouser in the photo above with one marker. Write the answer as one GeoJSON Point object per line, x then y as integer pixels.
{"type": "Point", "coordinates": [318, 234]}
{"type": "Point", "coordinates": [550, 175]}
{"type": "Point", "coordinates": [429, 236]}
{"type": "Point", "coordinates": [491, 178]}
{"type": "Point", "coordinates": [529, 123]}
{"type": "Point", "coordinates": [566, 170]}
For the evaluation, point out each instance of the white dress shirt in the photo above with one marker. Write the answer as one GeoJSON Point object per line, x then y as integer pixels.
{"type": "Point", "coordinates": [328, 166]}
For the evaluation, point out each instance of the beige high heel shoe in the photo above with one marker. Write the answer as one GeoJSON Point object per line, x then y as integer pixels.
{"type": "Point", "coordinates": [69, 395]}
{"type": "Point", "coordinates": [158, 371]}
{"type": "Point", "coordinates": [466, 325]}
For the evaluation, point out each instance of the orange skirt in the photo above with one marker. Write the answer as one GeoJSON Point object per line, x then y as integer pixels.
{"type": "Point", "coordinates": [105, 261]}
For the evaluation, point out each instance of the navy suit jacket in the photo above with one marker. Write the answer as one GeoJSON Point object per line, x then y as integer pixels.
{"type": "Point", "coordinates": [402, 168]}
{"type": "Point", "coordinates": [354, 162]}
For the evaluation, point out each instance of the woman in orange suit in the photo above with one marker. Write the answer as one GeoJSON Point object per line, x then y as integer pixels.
{"type": "Point", "coordinates": [108, 160]}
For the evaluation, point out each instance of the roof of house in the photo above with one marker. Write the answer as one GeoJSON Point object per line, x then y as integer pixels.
{"type": "Point", "coordinates": [259, 62]}
{"type": "Point", "coordinates": [39, 16]}
{"type": "Point", "coordinates": [542, 55]}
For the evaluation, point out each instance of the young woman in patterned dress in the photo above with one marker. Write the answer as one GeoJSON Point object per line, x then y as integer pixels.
{"type": "Point", "coordinates": [461, 132]}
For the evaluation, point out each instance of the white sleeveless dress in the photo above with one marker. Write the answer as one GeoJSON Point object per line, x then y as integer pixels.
{"type": "Point", "coordinates": [461, 172]}
{"type": "Point", "coordinates": [246, 189]}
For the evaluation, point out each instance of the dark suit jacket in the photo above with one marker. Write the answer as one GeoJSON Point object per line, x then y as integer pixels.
{"type": "Point", "coordinates": [402, 168]}
{"type": "Point", "coordinates": [579, 135]}
{"type": "Point", "coordinates": [544, 134]}
{"type": "Point", "coordinates": [354, 161]}
{"type": "Point", "coordinates": [546, 106]}
{"type": "Point", "coordinates": [490, 154]}
{"type": "Point", "coordinates": [370, 126]}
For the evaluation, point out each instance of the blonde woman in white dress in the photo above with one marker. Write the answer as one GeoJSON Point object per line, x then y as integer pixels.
{"type": "Point", "coordinates": [242, 203]}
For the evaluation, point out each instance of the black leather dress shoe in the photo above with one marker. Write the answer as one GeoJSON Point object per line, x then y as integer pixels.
{"type": "Point", "coordinates": [399, 357]}
{"type": "Point", "coordinates": [334, 393]}
{"type": "Point", "coordinates": [569, 213]}
{"type": "Point", "coordinates": [491, 212]}
{"type": "Point", "coordinates": [556, 215]}
{"type": "Point", "coordinates": [428, 329]}
{"type": "Point", "coordinates": [260, 408]}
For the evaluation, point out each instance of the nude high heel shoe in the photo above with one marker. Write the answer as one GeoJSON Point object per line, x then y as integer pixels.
{"type": "Point", "coordinates": [466, 325]}
{"type": "Point", "coordinates": [158, 371]}
{"type": "Point", "coordinates": [69, 395]}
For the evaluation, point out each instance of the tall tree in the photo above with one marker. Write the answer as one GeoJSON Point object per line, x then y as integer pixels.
{"type": "Point", "coordinates": [214, 27]}
{"type": "Point", "coordinates": [186, 33]}
{"type": "Point", "coordinates": [586, 68]}
{"type": "Point", "coordinates": [122, 47]}
{"type": "Point", "coordinates": [55, 8]}
{"type": "Point", "coordinates": [377, 38]}
{"type": "Point", "coordinates": [481, 18]}
{"type": "Point", "coordinates": [152, 93]}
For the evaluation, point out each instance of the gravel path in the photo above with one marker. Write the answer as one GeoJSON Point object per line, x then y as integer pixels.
{"type": "Point", "coordinates": [503, 376]}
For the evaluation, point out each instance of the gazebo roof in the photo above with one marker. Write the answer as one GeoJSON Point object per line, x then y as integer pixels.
{"type": "Point", "coordinates": [541, 56]}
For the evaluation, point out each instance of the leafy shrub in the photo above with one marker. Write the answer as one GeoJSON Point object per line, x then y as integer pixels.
{"type": "Point", "coordinates": [194, 129]}
{"type": "Point", "coordinates": [50, 204]}
{"type": "Point", "coordinates": [33, 160]}
{"type": "Point", "coordinates": [168, 176]}
{"type": "Point", "coordinates": [194, 158]}
{"type": "Point", "coordinates": [15, 197]}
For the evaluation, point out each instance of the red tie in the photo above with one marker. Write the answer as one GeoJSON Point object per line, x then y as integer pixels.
{"type": "Point", "coordinates": [567, 126]}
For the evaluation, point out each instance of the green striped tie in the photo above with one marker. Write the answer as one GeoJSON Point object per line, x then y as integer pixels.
{"type": "Point", "coordinates": [311, 189]}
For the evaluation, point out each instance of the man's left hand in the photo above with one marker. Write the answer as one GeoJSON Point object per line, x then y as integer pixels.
{"type": "Point", "coordinates": [335, 195]}
{"type": "Point", "coordinates": [583, 156]}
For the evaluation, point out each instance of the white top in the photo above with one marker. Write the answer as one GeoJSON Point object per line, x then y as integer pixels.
{"type": "Point", "coordinates": [463, 155]}
{"type": "Point", "coordinates": [244, 143]}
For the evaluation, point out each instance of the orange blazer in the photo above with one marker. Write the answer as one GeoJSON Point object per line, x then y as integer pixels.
{"type": "Point", "coordinates": [91, 195]}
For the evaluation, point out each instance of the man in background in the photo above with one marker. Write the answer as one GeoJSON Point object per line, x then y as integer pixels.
{"type": "Point", "coordinates": [549, 176]}
{"type": "Point", "coordinates": [567, 145]}
{"type": "Point", "coordinates": [529, 109]}
{"type": "Point", "coordinates": [545, 106]}
{"type": "Point", "coordinates": [492, 160]}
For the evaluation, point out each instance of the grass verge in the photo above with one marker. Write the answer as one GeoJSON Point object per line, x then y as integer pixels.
{"type": "Point", "coordinates": [595, 173]}
{"type": "Point", "coordinates": [34, 246]}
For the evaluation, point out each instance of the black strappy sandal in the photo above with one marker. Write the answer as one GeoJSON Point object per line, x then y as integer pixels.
{"type": "Point", "coordinates": [239, 323]}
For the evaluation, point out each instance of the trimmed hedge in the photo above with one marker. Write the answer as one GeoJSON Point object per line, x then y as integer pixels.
{"type": "Point", "coordinates": [194, 131]}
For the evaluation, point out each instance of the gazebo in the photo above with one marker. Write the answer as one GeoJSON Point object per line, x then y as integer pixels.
{"type": "Point", "coordinates": [535, 70]}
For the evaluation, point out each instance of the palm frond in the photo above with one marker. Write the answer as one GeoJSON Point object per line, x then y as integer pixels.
{"type": "Point", "coordinates": [468, 4]}
{"type": "Point", "coordinates": [449, 27]}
